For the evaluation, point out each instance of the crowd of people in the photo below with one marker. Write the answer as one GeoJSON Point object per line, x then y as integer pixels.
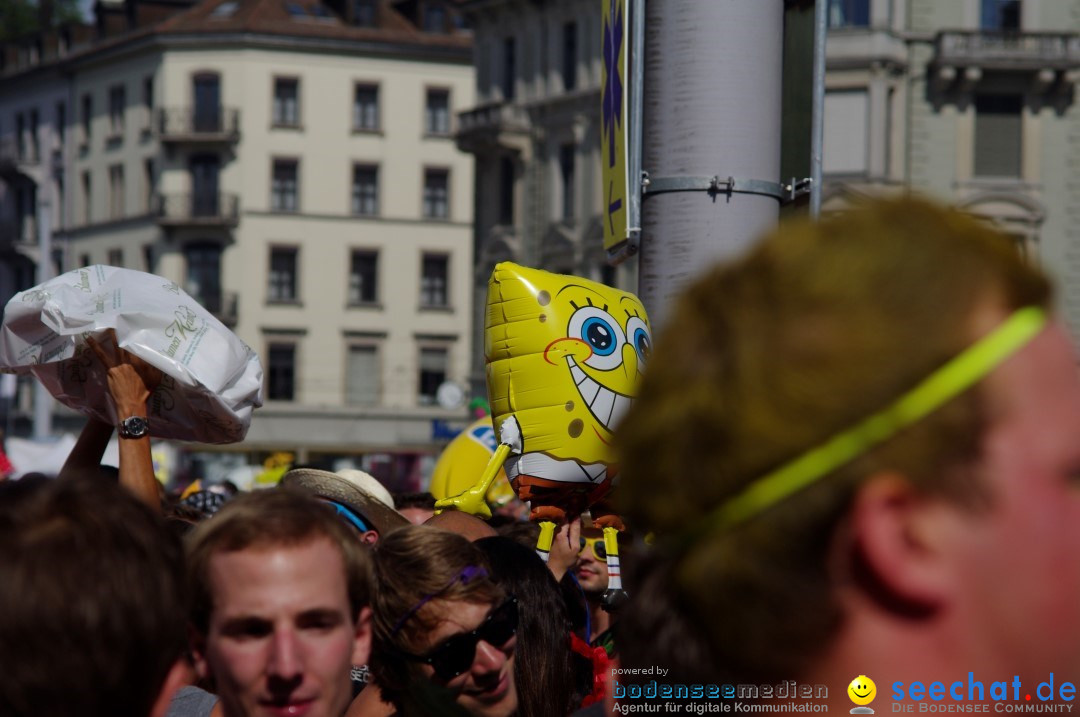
{"type": "Point", "coordinates": [855, 453]}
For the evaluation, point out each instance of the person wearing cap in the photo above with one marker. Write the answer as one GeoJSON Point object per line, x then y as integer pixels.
{"type": "Point", "coordinates": [857, 447]}
{"type": "Point", "coordinates": [358, 498]}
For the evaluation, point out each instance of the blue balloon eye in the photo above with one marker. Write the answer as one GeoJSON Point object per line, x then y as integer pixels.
{"type": "Point", "coordinates": [642, 344]}
{"type": "Point", "coordinates": [599, 335]}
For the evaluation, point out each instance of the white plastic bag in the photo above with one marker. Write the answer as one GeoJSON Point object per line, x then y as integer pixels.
{"type": "Point", "coordinates": [212, 379]}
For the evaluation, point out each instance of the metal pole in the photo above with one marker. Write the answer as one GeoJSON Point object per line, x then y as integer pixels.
{"type": "Point", "coordinates": [712, 108]}
{"type": "Point", "coordinates": [817, 122]}
{"type": "Point", "coordinates": [43, 402]}
{"type": "Point", "coordinates": [637, 84]}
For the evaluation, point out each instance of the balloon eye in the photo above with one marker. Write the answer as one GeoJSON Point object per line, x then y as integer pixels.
{"type": "Point", "coordinates": [599, 335]}
{"type": "Point", "coordinates": [643, 345]}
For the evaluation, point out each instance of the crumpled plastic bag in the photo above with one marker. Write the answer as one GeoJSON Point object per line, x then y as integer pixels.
{"type": "Point", "coordinates": [212, 380]}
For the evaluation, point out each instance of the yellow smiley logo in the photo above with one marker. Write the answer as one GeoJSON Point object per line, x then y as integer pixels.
{"type": "Point", "coordinates": [862, 690]}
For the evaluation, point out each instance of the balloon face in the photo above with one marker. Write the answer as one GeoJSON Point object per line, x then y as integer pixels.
{"type": "Point", "coordinates": [564, 359]}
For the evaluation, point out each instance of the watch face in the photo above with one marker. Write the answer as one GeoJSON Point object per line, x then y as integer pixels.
{"type": "Point", "coordinates": [133, 427]}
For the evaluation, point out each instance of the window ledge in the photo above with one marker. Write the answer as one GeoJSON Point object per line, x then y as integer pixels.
{"type": "Point", "coordinates": [438, 135]}
{"type": "Point", "coordinates": [369, 305]}
{"type": "Point", "coordinates": [295, 127]}
{"type": "Point", "coordinates": [377, 132]}
{"type": "Point", "coordinates": [285, 302]}
{"type": "Point", "coordinates": [447, 309]}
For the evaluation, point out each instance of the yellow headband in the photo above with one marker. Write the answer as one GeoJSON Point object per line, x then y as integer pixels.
{"type": "Point", "coordinates": [957, 375]}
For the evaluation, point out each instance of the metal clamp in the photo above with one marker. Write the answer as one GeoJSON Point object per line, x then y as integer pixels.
{"type": "Point", "coordinates": [715, 185]}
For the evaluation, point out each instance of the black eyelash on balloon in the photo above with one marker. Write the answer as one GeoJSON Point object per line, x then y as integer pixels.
{"type": "Point", "coordinates": [574, 305]}
{"type": "Point", "coordinates": [589, 299]}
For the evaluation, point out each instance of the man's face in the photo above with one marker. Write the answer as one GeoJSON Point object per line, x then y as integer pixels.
{"type": "Point", "coordinates": [281, 636]}
{"type": "Point", "coordinates": [487, 688]}
{"type": "Point", "coordinates": [591, 571]}
{"type": "Point", "coordinates": [1017, 561]}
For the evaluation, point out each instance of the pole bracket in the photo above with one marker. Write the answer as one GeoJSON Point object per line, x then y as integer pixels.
{"type": "Point", "coordinates": [716, 185]}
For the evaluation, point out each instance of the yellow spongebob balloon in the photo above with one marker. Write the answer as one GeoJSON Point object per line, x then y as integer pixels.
{"type": "Point", "coordinates": [564, 357]}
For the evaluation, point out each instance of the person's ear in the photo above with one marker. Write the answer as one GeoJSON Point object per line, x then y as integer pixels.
{"type": "Point", "coordinates": [362, 638]}
{"type": "Point", "coordinates": [197, 644]}
{"type": "Point", "coordinates": [369, 538]}
{"type": "Point", "coordinates": [900, 546]}
{"type": "Point", "coordinates": [178, 676]}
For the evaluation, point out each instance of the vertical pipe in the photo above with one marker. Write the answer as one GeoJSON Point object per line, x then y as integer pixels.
{"type": "Point", "coordinates": [712, 107]}
{"type": "Point", "coordinates": [42, 398]}
{"type": "Point", "coordinates": [817, 122]}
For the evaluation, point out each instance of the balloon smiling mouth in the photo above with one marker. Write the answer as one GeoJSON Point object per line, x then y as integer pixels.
{"type": "Point", "coordinates": [606, 406]}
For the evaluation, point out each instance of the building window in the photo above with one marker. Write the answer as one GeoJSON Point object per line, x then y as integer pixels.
{"type": "Point", "coordinates": [286, 102]}
{"type": "Point", "coordinates": [1001, 15]}
{"type": "Point", "coordinates": [87, 118]}
{"type": "Point", "coordinates": [87, 197]}
{"type": "Point", "coordinates": [117, 101]}
{"type": "Point", "coordinates": [20, 136]}
{"type": "Point", "coordinates": [847, 132]}
{"type": "Point", "coordinates": [569, 56]}
{"type": "Point", "coordinates": [436, 193]}
{"type": "Point", "coordinates": [61, 123]}
{"type": "Point", "coordinates": [150, 184]}
{"type": "Point", "coordinates": [35, 144]}
{"type": "Point", "coordinates": [148, 104]}
{"type": "Point", "coordinates": [434, 273]}
{"type": "Point", "coordinates": [282, 286]}
{"type": "Point", "coordinates": [364, 13]}
{"type": "Point", "coordinates": [281, 372]}
{"type": "Point", "coordinates": [365, 190]}
{"type": "Point", "coordinates": [567, 154]}
{"type": "Point", "coordinates": [509, 74]}
{"type": "Point", "coordinates": [434, 19]}
{"type": "Point", "coordinates": [366, 108]}
{"type": "Point", "coordinates": [362, 376]}
{"type": "Point", "coordinates": [284, 188]}
{"type": "Point", "coordinates": [437, 112]}
{"type": "Point", "coordinates": [116, 257]}
{"type": "Point", "coordinates": [849, 13]}
{"type": "Point", "coordinates": [84, 260]}
{"type": "Point", "coordinates": [203, 280]}
{"type": "Point", "coordinates": [433, 362]}
{"type": "Point", "coordinates": [506, 191]}
{"type": "Point", "coordinates": [998, 135]}
{"type": "Point", "coordinates": [364, 278]}
{"type": "Point", "coordinates": [116, 191]}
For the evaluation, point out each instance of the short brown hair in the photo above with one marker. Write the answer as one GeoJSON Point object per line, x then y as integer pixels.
{"type": "Point", "coordinates": [819, 326]}
{"type": "Point", "coordinates": [414, 565]}
{"type": "Point", "coordinates": [91, 603]}
{"type": "Point", "coordinates": [268, 518]}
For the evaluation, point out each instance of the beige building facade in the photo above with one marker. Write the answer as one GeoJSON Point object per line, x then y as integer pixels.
{"type": "Point", "coordinates": [292, 166]}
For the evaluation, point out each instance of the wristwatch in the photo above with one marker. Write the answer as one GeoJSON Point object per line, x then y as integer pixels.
{"type": "Point", "coordinates": [134, 427]}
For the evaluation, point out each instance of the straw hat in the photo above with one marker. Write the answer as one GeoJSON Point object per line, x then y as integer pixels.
{"type": "Point", "coordinates": [352, 488]}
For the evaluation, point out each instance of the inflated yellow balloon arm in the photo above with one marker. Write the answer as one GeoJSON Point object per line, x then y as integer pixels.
{"type": "Point", "coordinates": [544, 542]}
{"type": "Point", "coordinates": [474, 501]}
{"type": "Point", "coordinates": [615, 597]}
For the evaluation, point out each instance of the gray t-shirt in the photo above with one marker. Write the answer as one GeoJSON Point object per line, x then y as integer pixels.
{"type": "Point", "coordinates": [191, 702]}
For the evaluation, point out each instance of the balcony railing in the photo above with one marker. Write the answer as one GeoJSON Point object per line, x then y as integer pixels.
{"type": "Point", "coordinates": [1005, 50]}
{"type": "Point", "coordinates": [13, 157]}
{"type": "Point", "coordinates": [498, 116]}
{"type": "Point", "coordinates": [186, 124]}
{"type": "Point", "coordinates": [209, 209]}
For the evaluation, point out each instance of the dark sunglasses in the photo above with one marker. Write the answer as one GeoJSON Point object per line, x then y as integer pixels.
{"type": "Point", "coordinates": [454, 655]}
{"type": "Point", "coordinates": [598, 547]}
